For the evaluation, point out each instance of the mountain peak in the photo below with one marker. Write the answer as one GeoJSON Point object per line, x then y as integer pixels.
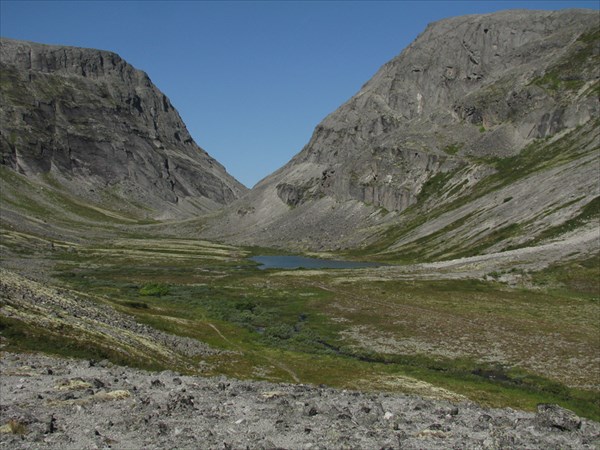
{"type": "Point", "coordinates": [430, 130]}
{"type": "Point", "coordinates": [94, 123]}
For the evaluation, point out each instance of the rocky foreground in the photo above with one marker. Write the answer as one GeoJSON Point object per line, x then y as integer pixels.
{"type": "Point", "coordinates": [48, 402]}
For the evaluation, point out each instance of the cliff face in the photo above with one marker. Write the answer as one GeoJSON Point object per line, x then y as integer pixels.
{"type": "Point", "coordinates": [460, 77]}
{"type": "Point", "coordinates": [94, 125]}
{"type": "Point", "coordinates": [431, 126]}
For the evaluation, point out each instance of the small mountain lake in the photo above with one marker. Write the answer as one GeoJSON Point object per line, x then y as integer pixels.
{"type": "Point", "coordinates": [297, 262]}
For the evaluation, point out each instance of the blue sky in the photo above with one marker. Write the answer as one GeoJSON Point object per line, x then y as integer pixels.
{"type": "Point", "coordinates": [251, 79]}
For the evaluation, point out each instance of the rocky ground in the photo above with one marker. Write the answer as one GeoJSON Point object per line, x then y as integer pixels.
{"type": "Point", "coordinates": [83, 320]}
{"type": "Point", "coordinates": [48, 402]}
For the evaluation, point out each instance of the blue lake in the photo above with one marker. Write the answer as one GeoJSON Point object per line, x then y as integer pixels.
{"type": "Point", "coordinates": [296, 262]}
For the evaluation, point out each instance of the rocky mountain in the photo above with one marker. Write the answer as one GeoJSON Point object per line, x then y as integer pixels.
{"type": "Point", "coordinates": [87, 124]}
{"type": "Point", "coordinates": [474, 154]}
{"type": "Point", "coordinates": [482, 135]}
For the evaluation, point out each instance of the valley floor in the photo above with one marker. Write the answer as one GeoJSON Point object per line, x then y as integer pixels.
{"type": "Point", "coordinates": [516, 330]}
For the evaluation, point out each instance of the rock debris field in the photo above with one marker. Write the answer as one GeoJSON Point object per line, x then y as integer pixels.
{"type": "Point", "coordinates": [55, 403]}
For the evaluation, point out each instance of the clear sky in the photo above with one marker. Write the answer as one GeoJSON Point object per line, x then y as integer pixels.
{"type": "Point", "coordinates": [251, 79]}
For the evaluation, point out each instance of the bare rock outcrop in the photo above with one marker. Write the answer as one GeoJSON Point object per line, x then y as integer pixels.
{"type": "Point", "coordinates": [432, 126]}
{"type": "Point", "coordinates": [89, 122]}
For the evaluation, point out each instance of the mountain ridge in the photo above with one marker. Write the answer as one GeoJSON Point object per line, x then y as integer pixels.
{"type": "Point", "coordinates": [474, 175]}
{"type": "Point", "coordinates": [435, 120]}
{"type": "Point", "coordinates": [98, 127]}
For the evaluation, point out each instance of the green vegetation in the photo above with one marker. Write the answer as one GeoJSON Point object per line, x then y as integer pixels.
{"type": "Point", "coordinates": [12, 88]}
{"type": "Point", "coordinates": [43, 200]}
{"type": "Point", "coordinates": [569, 73]}
{"type": "Point", "coordinates": [21, 336]}
{"type": "Point", "coordinates": [154, 289]}
{"type": "Point", "coordinates": [540, 155]}
{"type": "Point", "coordinates": [552, 81]}
{"type": "Point", "coordinates": [589, 212]}
{"type": "Point", "coordinates": [453, 149]}
{"type": "Point", "coordinates": [38, 200]}
{"type": "Point", "coordinates": [434, 185]}
{"type": "Point", "coordinates": [581, 277]}
{"type": "Point", "coordinates": [137, 305]}
{"type": "Point", "coordinates": [499, 345]}
{"type": "Point", "coordinates": [480, 340]}
{"type": "Point", "coordinates": [330, 327]}
{"type": "Point", "coordinates": [496, 236]}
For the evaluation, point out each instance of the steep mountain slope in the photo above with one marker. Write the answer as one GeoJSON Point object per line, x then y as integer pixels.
{"type": "Point", "coordinates": [480, 136]}
{"type": "Point", "coordinates": [87, 125]}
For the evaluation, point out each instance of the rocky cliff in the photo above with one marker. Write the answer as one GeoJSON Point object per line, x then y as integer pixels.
{"type": "Point", "coordinates": [88, 123]}
{"type": "Point", "coordinates": [478, 108]}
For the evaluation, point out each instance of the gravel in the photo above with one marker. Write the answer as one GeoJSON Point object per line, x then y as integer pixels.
{"type": "Point", "coordinates": [55, 403]}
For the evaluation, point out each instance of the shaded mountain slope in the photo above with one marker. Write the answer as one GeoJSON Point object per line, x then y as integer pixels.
{"type": "Point", "coordinates": [480, 136]}
{"type": "Point", "coordinates": [87, 125]}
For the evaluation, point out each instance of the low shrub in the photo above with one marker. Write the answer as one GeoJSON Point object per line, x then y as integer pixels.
{"type": "Point", "coordinates": [154, 289]}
